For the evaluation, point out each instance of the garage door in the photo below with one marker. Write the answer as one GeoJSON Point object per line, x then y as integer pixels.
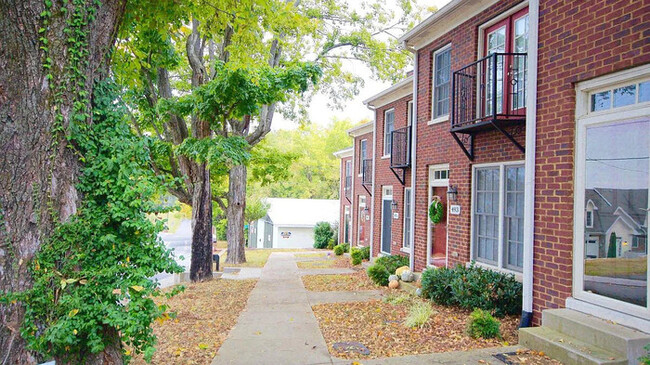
{"type": "Point", "coordinates": [294, 237]}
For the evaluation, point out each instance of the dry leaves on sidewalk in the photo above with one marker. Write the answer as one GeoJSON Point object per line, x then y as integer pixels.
{"type": "Point", "coordinates": [379, 326]}
{"type": "Point", "coordinates": [528, 357]}
{"type": "Point", "coordinates": [205, 314]}
{"type": "Point", "coordinates": [339, 282]}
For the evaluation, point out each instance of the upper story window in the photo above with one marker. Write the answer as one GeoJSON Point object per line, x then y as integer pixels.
{"type": "Point", "coordinates": [362, 153]}
{"type": "Point", "coordinates": [348, 168]}
{"type": "Point", "coordinates": [389, 126]}
{"type": "Point", "coordinates": [441, 82]}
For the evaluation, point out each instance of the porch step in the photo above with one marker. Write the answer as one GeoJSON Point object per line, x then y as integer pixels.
{"type": "Point", "coordinates": [567, 349]}
{"type": "Point", "coordinates": [597, 332]}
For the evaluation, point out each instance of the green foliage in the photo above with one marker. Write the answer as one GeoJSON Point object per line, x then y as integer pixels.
{"type": "Point", "coordinates": [365, 253]}
{"type": "Point", "coordinates": [398, 299]}
{"type": "Point", "coordinates": [378, 274]}
{"type": "Point", "coordinates": [322, 234]}
{"type": "Point", "coordinates": [473, 287]}
{"type": "Point", "coordinates": [359, 254]}
{"type": "Point", "coordinates": [221, 227]}
{"type": "Point", "coordinates": [339, 250]}
{"type": "Point", "coordinates": [436, 211]}
{"type": "Point", "coordinates": [645, 359]}
{"type": "Point", "coordinates": [393, 262]}
{"type": "Point", "coordinates": [92, 274]}
{"type": "Point", "coordinates": [611, 250]}
{"type": "Point", "coordinates": [419, 314]}
{"type": "Point", "coordinates": [331, 243]}
{"type": "Point", "coordinates": [482, 324]}
{"type": "Point", "coordinates": [346, 247]}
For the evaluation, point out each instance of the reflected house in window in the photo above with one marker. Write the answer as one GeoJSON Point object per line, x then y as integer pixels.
{"type": "Point", "coordinates": [619, 211]}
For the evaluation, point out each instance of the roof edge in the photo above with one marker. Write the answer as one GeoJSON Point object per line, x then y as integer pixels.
{"type": "Point", "coordinates": [346, 152]}
{"type": "Point", "coordinates": [391, 94]}
{"type": "Point", "coordinates": [361, 129]}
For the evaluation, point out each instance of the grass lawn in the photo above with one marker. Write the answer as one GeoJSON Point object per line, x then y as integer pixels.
{"type": "Point", "coordinates": [222, 244]}
{"type": "Point", "coordinates": [379, 326]}
{"type": "Point", "coordinates": [205, 314]}
{"type": "Point", "coordinates": [339, 282]}
{"type": "Point", "coordinates": [615, 267]}
{"type": "Point", "coordinates": [326, 263]}
{"type": "Point", "coordinates": [310, 255]}
{"type": "Point", "coordinates": [254, 258]}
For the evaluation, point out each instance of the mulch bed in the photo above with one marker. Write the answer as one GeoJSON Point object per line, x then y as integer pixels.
{"type": "Point", "coordinates": [339, 282]}
{"type": "Point", "coordinates": [326, 263]}
{"type": "Point", "coordinates": [205, 314]}
{"type": "Point", "coordinates": [379, 327]}
{"type": "Point", "coordinates": [527, 357]}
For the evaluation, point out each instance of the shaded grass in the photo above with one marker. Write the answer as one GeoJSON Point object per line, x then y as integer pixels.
{"type": "Point", "coordinates": [339, 282]}
{"type": "Point", "coordinates": [326, 263]}
{"type": "Point", "coordinates": [310, 255]}
{"type": "Point", "coordinates": [614, 267]}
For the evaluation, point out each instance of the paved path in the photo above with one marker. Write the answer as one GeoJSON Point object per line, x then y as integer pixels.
{"type": "Point", "coordinates": [279, 327]}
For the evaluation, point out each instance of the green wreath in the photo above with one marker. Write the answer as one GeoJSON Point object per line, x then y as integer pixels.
{"type": "Point", "coordinates": [436, 211]}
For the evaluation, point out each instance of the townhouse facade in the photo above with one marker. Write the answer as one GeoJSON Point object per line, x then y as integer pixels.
{"type": "Point", "coordinates": [531, 126]}
{"type": "Point", "coordinates": [345, 195]}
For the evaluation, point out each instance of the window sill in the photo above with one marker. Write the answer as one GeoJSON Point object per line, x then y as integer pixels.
{"type": "Point", "coordinates": [405, 250]}
{"type": "Point", "coordinates": [444, 118]}
{"type": "Point", "coordinates": [384, 157]}
{"type": "Point", "coordinates": [519, 276]}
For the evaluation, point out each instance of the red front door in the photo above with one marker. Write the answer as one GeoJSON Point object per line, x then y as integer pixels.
{"type": "Point", "coordinates": [439, 231]}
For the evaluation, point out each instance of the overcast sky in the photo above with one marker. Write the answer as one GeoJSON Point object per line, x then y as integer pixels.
{"type": "Point", "coordinates": [354, 109]}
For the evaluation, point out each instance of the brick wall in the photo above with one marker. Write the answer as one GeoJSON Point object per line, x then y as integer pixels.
{"type": "Point", "coordinates": [384, 176]}
{"type": "Point", "coordinates": [359, 190]}
{"type": "Point", "coordinates": [577, 41]}
{"type": "Point", "coordinates": [435, 145]}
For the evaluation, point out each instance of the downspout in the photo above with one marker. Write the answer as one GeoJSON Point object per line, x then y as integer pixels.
{"type": "Point", "coordinates": [372, 201]}
{"type": "Point", "coordinates": [414, 135]}
{"type": "Point", "coordinates": [529, 166]}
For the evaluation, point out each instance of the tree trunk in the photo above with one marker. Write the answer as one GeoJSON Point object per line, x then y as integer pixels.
{"type": "Point", "coordinates": [38, 176]}
{"type": "Point", "coordinates": [235, 215]}
{"type": "Point", "coordinates": [201, 265]}
{"type": "Point", "coordinates": [112, 354]}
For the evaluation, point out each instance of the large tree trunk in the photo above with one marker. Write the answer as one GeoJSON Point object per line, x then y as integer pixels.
{"type": "Point", "coordinates": [201, 265]}
{"type": "Point", "coordinates": [37, 176]}
{"type": "Point", "coordinates": [235, 215]}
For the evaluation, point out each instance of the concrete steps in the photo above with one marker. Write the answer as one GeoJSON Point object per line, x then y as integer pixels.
{"type": "Point", "coordinates": [577, 338]}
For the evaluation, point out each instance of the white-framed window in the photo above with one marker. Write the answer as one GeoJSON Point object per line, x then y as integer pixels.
{"type": "Point", "coordinates": [363, 152]}
{"type": "Point", "coordinates": [498, 214]}
{"type": "Point", "coordinates": [612, 169]}
{"type": "Point", "coordinates": [441, 82]}
{"type": "Point", "coordinates": [389, 126]}
{"type": "Point", "coordinates": [407, 218]}
{"type": "Point", "coordinates": [409, 119]}
{"type": "Point", "coordinates": [589, 214]}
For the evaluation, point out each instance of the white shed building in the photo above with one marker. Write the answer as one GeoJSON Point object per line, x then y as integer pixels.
{"type": "Point", "coordinates": [290, 223]}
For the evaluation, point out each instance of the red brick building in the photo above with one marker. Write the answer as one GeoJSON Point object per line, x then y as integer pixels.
{"type": "Point", "coordinates": [533, 129]}
{"type": "Point", "coordinates": [362, 167]}
{"type": "Point", "coordinates": [345, 194]}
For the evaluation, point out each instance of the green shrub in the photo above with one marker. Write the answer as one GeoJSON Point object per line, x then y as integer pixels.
{"type": "Point", "coordinates": [323, 233]}
{"type": "Point", "coordinates": [339, 250]}
{"type": "Point", "coordinates": [473, 287]}
{"type": "Point", "coordinates": [419, 314]}
{"type": "Point", "coordinates": [645, 359]}
{"type": "Point", "coordinates": [356, 256]}
{"type": "Point", "coordinates": [365, 253]}
{"type": "Point", "coordinates": [378, 274]}
{"type": "Point", "coordinates": [331, 243]}
{"type": "Point", "coordinates": [397, 299]}
{"type": "Point", "coordinates": [346, 247]}
{"type": "Point", "coordinates": [393, 262]}
{"type": "Point", "coordinates": [482, 324]}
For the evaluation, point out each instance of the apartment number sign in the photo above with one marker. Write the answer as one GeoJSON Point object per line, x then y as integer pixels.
{"type": "Point", "coordinates": [454, 209]}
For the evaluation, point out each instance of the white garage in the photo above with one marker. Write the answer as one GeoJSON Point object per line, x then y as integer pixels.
{"type": "Point", "coordinates": [289, 223]}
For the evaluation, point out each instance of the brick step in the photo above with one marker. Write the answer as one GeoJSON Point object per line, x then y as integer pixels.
{"type": "Point", "coordinates": [596, 331]}
{"type": "Point", "coordinates": [567, 349]}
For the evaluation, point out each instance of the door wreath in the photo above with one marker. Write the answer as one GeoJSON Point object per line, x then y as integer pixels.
{"type": "Point", "coordinates": [436, 210]}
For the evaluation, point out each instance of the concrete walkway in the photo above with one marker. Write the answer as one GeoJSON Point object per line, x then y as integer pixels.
{"type": "Point", "coordinates": [278, 326]}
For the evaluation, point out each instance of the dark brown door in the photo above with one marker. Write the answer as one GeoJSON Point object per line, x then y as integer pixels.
{"type": "Point", "coordinates": [439, 231]}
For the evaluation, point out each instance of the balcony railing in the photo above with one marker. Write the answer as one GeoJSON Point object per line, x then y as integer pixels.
{"type": "Point", "coordinates": [488, 90]}
{"type": "Point", "coordinates": [366, 172]}
{"type": "Point", "coordinates": [347, 188]}
{"type": "Point", "coordinates": [489, 94]}
{"type": "Point", "coordinates": [400, 148]}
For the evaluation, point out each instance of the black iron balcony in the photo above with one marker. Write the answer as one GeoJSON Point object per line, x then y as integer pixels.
{"type": "Point", "coordinates": [366, 172]}
{"type": "Point", "coordinates": [489, 94]}
{"type": "Point", "coordinates": [348, 188]}
{"type": "Point", "coordinates": [400, 151]}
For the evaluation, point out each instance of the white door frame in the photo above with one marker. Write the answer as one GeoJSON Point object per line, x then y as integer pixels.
{"type": "Point", "coordinates": [598, 305]}
{"type": "Point", "coordinates": [433, 183]}
{"type": "Point", "coordinates": [386, 194]}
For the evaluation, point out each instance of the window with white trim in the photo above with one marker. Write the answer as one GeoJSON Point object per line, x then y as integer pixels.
{"type": "Point", "coordinates": [389, 126]}
{"type": "Point", "coordinates": [362, 154]}
{"type": "Point", "coordinates": [407, 218]}
{"type": "Point", "coordinates": [409, 119]}
{"type": "Point", "coordinates": [441, 82]}
{"type": "Point", "coordinates": [498, 215]}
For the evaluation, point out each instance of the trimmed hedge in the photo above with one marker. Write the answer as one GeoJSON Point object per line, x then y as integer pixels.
{"type": "Point", "coordinates": [393, 262]}
{"type": "Point", "coordinates": [482, 324]}
{"type": "Point", "coordinates": [339, 250]}
{"type": "Point", "coordinates": [323, 234]}
{"type": "Point", "coordinates": [378, 274]}
{"type": "Point", "coordinates": [473, 287]}
{"type": "Point", "coordinates": [359, 254]}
